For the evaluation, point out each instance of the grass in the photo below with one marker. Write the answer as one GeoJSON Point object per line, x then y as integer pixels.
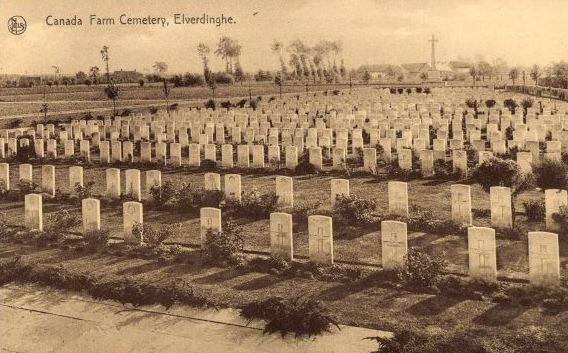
{"type": "Point", "coordinates": [364, 302]}
{"type": "Point", "coordinates": [351, 243]}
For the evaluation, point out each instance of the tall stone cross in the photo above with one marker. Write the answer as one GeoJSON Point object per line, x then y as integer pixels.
{"type": "Point", "coordinates": [433, 41]}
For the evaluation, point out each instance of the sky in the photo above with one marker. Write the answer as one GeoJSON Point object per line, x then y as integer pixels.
{"type": "Point", "coordinates": [522, 32]}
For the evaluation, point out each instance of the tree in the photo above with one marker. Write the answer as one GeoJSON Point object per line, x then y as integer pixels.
{"type": "Point", "coordinates": [226, 51]}
{"type": "Point", "coordinates": [203, 52]}
{"type": "Point", "coordinates": [484, 69]}
{"type": "Point", "coordinates": [278, 81]}
{"type": "Point", "coordinates": [56, 70]}
{"type": "Point", "coordinates": [473, 73]}
{"type": "Point", "coordinates": [80, 77]}
{"type": "Point", "coordinates": [94, 74]}
{"type": "Point", "coordinates": [514, 74]}
{"type": "Point", "coordinates": [44, 107]}
{"type": "Point", "coordinates": [239, 74]}
{"type": "Point", "coordinates": [112, 93]}
{"type": "Point", "coordinates": [490, 103]}
{"type": "Point", "coordinates": [526, 103]}
{"type": "Point", "coordinates": [105, 57]}
{"type": "Point", "coordinates": [166, 91]}
{"type": "Point", "coordinates": [366, 76]}
{"type": "Point", "coordinates": [160, 67]}
{"type": "Point", "coordinates": [535, 73]}
{"type": "Point", "coordinates": [277, 48]}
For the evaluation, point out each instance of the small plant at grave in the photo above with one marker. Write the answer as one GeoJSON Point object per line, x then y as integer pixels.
{"type": "Point", "coordinates": [27, 186]}
{"type": "Point", "coordinates": [421, 269]}
{"type": "Point", "coordinates": [187, 197]}
{"type": "Point", "coordinates": [511, 104]}
{"type": "Point", "coordinates": [58, 224]}
{"type": "Point", "coordinates": [96, 239]}
{"type": "Point", "coordinates": [151, 236]}
{"type": "Point", "coordinates": [561, 217]}
{"type": "Point", "coordinates": [161, 195]}
{"type": "Point", "coordinates": [208, 165]}
{"type": "Point", "coordinates": [300, 316]}
{"type": "Point", "coordinates": [355, 210]}
{"type": "Point", "coordinates": [424, 221]}
{"type": "Point", "coordinates": [443, 169]}
{"type": "Point", "coordinates": [84, 191]}
{"type": "Point", "coordinates": [396, 172]}
{"type": "Point", "coordinates": [5, 232]}
{"type": "Point", "coordinates": [467, 287]}
{"type": "Point", "coordinates": [303, 209]}
{"type": "Point", "coordinates": [304, 166]}
{"type": "Point", "coordinates": [253, 204]}
{"type": "Point", "coordinates": [534, 210]}
{"type": "Point", "coordinates": [550, 174]}
{"type": "Point", "coordinates": [513, 233]}
{"type": "Point", "coordinates": [499, 172]}
{"type": "Point", "coordinates": [223, 246]}
{"type": "Point", "coordinates": [405, 341]}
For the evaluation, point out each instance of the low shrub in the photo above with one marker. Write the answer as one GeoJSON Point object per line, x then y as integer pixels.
{"type": "Point", "coordinates": [466, 287]}
{"type": "Point", "coordinates": [225, 246]}
{"type": "Point", "coordinates": [58, 223]}
{"type": "Point", "coordinates": [208, 165]}
{"type": "Point", "coordinates": [421, 269]}
{"type": "Point", "coordinates": [495, 172]}
{"type": "Point", "coordinates": [443, 169]}
{"type": "Point", "coordinates": [303, 209]}
{"type": "Point", "coordinates": [190, 198]}
{"type": "Point", "coordinates": [160, 195]}
{"type": "Point", "coordinates": [534, 210]}
{"type": "Point", "coordinates": [481, 212]}
{"type": "Point", "coordinates": [424, 221]}
{"type": "Point", "coordinates": [96, 239]}
{"type": "Point", "coordinates": [304, 166]}
{"type": "Point", "coordinates": [253, 204]}
{"type": "Point", "coordinates": [405, 341]}
{"type": "Point", "coordinates": [27, 186]}
{"type": "Point", "coordinates": [355, 210]}
{"type": "Point", "coordinates": [550, 174]}
{"type": "Point", "coordinates": [84, 191]}
{"type": "Point", "coordinates": [303, 317]}
{"type": "Point", "coordinates": [561, 217]}
{"type": "Point", "coordinates": [150, 236]}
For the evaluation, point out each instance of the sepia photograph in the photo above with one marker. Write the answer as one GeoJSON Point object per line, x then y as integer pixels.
{"type": "Point", "coordinates": [284, 176]}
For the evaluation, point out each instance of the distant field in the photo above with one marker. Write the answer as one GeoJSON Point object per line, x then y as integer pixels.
{"type": "Point", "coordinates": [150, 92]}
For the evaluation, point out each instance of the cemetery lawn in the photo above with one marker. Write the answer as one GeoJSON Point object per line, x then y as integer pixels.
{"type": "Point", "coordinates": [351, 243]}
{"type": "Point", "coordinates": [360, 303]}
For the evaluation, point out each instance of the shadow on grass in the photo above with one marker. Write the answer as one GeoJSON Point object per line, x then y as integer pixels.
{"type": "Point", "coordinates": [341, 291]}
{"type": "Point", "coordinates": [140, 269]}
{"type": "Point", "coordinates": [499, 315]}
{"type": "Point", "coordinates": [434, 305]}
{"type": "Point", "coordinates": [219, 276]}
{"type": "Point", "coordinates": [259, 283]}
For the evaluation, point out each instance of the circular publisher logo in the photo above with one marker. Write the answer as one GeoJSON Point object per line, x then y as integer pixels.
{"type": "Point", "coordinates": [17, 25]}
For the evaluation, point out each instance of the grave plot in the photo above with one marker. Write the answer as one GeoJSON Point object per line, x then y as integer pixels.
{"type": "Point", "coordinates": [418, 159]}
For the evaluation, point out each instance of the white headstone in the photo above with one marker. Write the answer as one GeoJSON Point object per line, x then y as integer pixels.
{"type": "Point", "coordinates": [544, 258]}
{"type": "Point", "coordinates": [394, 244]}
{"type": "Point", "coordinates": [132, 213]}
{"type": "Point", "coordinates": [281, 239]}
{"type": "Point", "coordinates": [482, 253]}
{"type": "Point", "coordinates": [320, 239]}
